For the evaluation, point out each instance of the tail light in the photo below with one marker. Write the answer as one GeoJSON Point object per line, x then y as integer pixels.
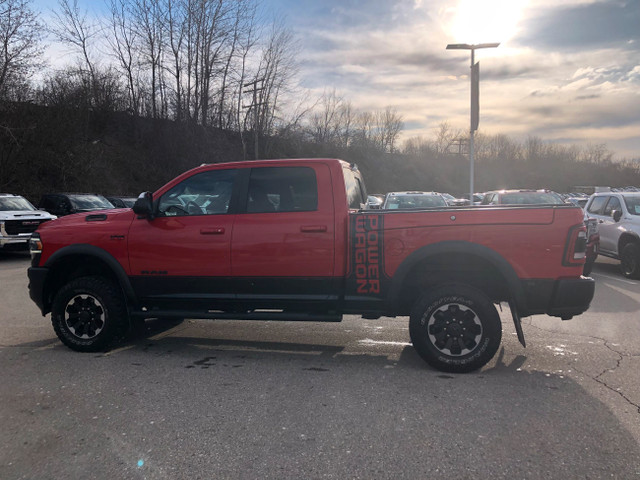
{"type": "Point", "coordinates": [576, 247]}
{"type": "Point", "coordinates": [592, 227]}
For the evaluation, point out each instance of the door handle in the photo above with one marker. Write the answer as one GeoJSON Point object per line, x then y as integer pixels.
{"type": "Point", "coordinates": [600, 221]}
{"type": "Point", "coordinates": [212, 231]}
{"type": "Point", "coordinates": [313, 228]}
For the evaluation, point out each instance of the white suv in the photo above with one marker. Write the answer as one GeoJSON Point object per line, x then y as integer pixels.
{"type": "Point", "coordinates": [618, 215]}
{"type": "Point", "coordinates": [18, 220]}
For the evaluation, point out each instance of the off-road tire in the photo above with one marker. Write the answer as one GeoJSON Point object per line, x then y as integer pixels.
{"type": "Point", "coordinates": [455, 328]}
{"type": "Point", "coordinates": [89, 314]}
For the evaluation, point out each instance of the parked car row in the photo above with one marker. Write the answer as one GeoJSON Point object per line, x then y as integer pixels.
{"type": "Point", "coordinates": [19, 218]}
{"type": "Point", "coordinates": [618, 219]}
{"type": "Point", "coordinates": [61, 204]}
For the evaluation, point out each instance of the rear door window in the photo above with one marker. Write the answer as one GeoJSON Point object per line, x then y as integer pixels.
{"type": "Point", "coordinates": [282, 189]}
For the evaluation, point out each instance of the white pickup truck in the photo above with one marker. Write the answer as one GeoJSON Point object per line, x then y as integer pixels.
{"type": "Point", "coordinates": [18, 220]}
{"type": "Point", "coordinates": [618, 215]}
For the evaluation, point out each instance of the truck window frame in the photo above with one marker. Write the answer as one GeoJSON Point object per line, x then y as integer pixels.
{"type": "Point", "coordinates": [282, 189]}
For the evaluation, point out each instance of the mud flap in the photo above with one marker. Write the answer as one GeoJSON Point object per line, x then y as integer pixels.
{"type": "Point", "coordinates": [517, 323]}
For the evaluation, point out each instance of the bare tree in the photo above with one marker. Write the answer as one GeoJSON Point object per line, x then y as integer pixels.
{"type": "Point", "coordinates": [390, 124]}
{"type": "Point", "coordinates": [598, 154]}
{"type": "Point", "coordinates": [149, 20]}
{"type": "Point", "coordinates": [122, 40]}
{"type": "Point", "coordinates": [278, 66]}
{"type": "Point", "coordinates": [325, 125]}
{"type": "Point", "coordinates": [241, 33]}
{"type": "Point", "coordinates": [72, 27]}
{"type": "Point", "coordinates": [176, 29]}
{"type": "Point", "coordinates": [20, 36]}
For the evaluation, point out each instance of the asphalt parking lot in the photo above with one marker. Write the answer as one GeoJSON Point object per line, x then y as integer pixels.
{"type": "Point", "coordinates": [224, 399]}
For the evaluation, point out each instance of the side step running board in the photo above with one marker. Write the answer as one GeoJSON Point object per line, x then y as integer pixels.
{"type": "Point", "coordinates": [256, 315]}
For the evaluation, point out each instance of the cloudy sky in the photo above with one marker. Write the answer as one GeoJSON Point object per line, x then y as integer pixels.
{"type": "Point", "coordinates": [567, 71]}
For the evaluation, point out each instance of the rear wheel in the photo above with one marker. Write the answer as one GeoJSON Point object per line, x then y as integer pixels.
{"type": "Point", "coordinates": [89, 314]}
{"type": "Point", "coordinates": [455, 328]}
{"type": "Point", "coordinates": [630, 260]}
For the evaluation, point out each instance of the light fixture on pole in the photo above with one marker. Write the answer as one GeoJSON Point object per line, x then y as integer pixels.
{"type": "Point", "coordinates": [475, 102]}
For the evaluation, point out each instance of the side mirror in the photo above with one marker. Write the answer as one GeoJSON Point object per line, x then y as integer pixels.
{"type": "Point", "coordinates": [144, 205]}
{"type": "Point", "coordinates": [617, 215]}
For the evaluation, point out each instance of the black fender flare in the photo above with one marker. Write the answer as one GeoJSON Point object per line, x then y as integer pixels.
{"type": "Point", "coordinates": [100, 254]}
{"type": "Point", "coordinates": [458, 246]}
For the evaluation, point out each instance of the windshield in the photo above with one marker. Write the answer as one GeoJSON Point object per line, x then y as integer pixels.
{"type": "Point", "coordinates": [90, 202]}
{"type": "Point", "coordinates": [415, 201]}
{"type": "Point", "coordinates": [528, 198]}
{"type": "Point", "coordinates": [8, 204]}
{"type": "Point", "coordinates": [633, 204]}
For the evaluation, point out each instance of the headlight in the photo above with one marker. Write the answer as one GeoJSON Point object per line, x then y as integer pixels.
{"type": "Point", "coordinates": [35, 245]}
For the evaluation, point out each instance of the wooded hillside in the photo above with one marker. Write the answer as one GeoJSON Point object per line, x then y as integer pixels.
{"type": "Point", "coordinates": [49, 149]}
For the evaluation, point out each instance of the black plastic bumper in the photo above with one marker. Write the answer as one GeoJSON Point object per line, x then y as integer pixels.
{"type": "Point", "coordinates": [37, 276]}
{"type": "Point", "coordinates": [572, 297]}
{"type": "Point", "coordinates": [564, 298]}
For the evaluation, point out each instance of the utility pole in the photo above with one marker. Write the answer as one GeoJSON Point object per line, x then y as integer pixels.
{"type": "Point", "coordinates": [254, 104]}
{"type": "Point", "coordinates": [475, 105]}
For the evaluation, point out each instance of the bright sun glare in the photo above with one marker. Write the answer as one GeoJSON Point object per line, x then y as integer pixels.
{"type": "Point", "coordinates": [483, 21]}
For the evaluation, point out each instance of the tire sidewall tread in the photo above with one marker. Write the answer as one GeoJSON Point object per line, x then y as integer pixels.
{"type": "Point", "coordinates": [631, 249]}
{"type": "Point", "coordinates": [111, 300]}
{"type": "Point", "coordinates": [471, 298]}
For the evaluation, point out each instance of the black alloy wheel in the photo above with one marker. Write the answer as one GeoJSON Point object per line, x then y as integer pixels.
{"type": "Point", "coordinates": [455, 328]}
{"type": "Point", "coordinates": [89, 314]}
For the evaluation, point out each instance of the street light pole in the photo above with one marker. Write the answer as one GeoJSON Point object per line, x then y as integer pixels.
{"type": "Point", "coordinates": [474, 111]}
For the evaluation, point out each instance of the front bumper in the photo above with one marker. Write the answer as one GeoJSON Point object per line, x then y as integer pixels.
{"type": "Point", "coordinates": [37, 277]}
{"type": "Point", "coordinates": [14, 239]}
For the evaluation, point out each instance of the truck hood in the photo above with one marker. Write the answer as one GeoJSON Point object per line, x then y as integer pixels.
{"type": "Point", "coordinates": [26, 215]}
{"type": "Point", "coordinates": [94, 217]}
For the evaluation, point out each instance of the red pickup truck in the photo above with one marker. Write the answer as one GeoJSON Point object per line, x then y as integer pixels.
{"type": "Point", "coordinates": [293, 240]}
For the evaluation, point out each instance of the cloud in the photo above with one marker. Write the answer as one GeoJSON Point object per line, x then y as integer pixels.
{"type": "Point", "coordinates": [584, 26]}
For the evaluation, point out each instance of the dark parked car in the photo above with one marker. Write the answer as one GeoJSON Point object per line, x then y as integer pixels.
{"type": "Point", "coordinates": [122, 202]}
{"type": "Point", "coordinates": [522, 197]}
{"type": "Point", "coordinates": [413, 200]}
{"type": "Point", "coordinates": [61, 204]}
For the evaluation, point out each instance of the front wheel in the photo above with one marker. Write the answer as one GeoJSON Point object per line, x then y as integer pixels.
{"type": "Point", "coordinates": [88, 314]}
{"type": "Point", "coordinates": [455, 328]}
{"type": "Point", "coordinates": [630, 260]}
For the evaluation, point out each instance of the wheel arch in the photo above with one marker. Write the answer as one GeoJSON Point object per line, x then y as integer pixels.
{"type": "Point", "coordinates": [455, 262]}
{"type": "Point", "coordinates": [80, 260]}
{"type": "Point", "coordinates": [627, 237]}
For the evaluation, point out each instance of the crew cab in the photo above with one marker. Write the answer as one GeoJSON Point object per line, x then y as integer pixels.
{"type": "Point", "coordinates": [618, 217]}
{"type": "Point", "coordinates": [293, 240]}
{"type": "Point", "coordinates": [18, 220]}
